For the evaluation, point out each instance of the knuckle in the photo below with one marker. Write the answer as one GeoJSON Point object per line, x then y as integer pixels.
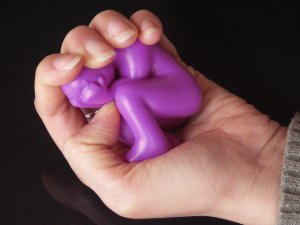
{"type": "Point", "coordinates": [104, 14]}
{"type": "Point", "coordinates": [39, 68]}
{"type": "Point", "coordinates": [70, 143]}
{"type": "Point", "coordinates": [144, 13]}
{"type": "Point", "coordinates": [37, 106]}
{"type": "Point", "coordinates": [42, 66]}
{"type": "Point", "coordinates": [75, 32]}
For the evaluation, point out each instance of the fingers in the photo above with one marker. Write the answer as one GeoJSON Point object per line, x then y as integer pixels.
{"type": "Point", "coordinates": [151, 30]}
{"type": "Point", "coordinates": [86, 42]}
{"type": "Point", "coordinates": [120, 32]}
{"type": "Point", "coordinates": [115, 28]}
{"type": "Point", "coordinates": [108, 30]}
{"type": "Point", "coordinates": [150, 27]}
{"type": "Point", "coordinates": [60, 118]}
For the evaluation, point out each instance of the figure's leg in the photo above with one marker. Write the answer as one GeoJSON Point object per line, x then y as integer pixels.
{"type": "Point", "coordinates": [149, 139]}
{"type": "Point", "coordinates": [125, 133]}
{"type": "Point", "coordinates": [141, 103]}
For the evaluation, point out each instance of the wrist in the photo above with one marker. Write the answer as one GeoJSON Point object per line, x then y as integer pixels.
{"type": "Point", "coordinates": [255, 200]}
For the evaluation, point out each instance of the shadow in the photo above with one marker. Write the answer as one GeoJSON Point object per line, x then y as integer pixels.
{"type": "Point", "coordinates": [63, 185]}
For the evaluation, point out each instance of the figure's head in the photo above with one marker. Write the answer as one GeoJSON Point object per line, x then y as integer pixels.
{"type": "Point", "coordinates": [90, 89]}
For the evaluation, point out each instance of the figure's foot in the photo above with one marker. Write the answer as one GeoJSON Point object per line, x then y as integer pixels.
{"type": "Point", "coordinates": [146, 149]}
{"type": "Point", "coordinates": [174, 141]}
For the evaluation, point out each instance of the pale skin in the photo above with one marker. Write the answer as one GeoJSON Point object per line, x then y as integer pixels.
{"type": "Point", "coordinates": [228, 165]}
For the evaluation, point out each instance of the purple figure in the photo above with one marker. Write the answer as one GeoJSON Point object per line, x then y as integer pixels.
{"type": "Point", "coordinates": [152, 91]}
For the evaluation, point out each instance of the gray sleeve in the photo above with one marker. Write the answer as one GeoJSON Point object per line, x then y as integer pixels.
{"type": "Point", "coordinates": [289, 209]}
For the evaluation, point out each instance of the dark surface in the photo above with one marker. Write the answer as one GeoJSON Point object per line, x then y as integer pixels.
{"type": "Point", "coordinates": [252, 51]}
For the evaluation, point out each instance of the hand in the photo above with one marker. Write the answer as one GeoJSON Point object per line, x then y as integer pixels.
{"type": "Point", "coordinates": [228, 165]}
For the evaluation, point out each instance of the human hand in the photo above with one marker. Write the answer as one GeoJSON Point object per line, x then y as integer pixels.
{"type": "Point", "coordinates": [228, 165]}
{"type": "Point", "coordinates": [65, 187]}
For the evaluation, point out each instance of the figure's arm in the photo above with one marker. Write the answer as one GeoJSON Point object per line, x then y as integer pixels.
{"type": "Point", "coordinates": [134, 62]}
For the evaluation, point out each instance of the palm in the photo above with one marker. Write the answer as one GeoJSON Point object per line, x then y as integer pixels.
{"type": "Point", "coordinates": [226, 141]}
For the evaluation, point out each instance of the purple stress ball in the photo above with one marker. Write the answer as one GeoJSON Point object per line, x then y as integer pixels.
{"type": "Point", "coordinates": [152, 91]}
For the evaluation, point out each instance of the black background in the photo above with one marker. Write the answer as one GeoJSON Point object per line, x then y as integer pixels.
{"type": "Point", "coordinates": [252, 50]}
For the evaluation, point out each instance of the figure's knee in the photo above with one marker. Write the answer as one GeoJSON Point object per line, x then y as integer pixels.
{"type": "Point", "coordinates": [126, 93]}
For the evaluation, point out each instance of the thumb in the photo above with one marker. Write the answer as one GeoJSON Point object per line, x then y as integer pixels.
{"type": "Point", "coordinates": [90, 151]}
{"type": "Point", "coordinates": [103, 129]}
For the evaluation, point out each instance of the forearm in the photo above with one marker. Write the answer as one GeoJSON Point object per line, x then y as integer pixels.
{"type": "Point", "coordinates": [272, 202]}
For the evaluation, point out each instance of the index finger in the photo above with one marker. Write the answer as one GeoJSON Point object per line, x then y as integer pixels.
{"type": "Point", "coordinates": [59, 116]}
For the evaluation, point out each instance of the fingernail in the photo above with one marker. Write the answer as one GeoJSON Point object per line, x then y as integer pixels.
{"type": "Point", "coordinates": [148, 28]}
{"type": "Point", "coordinates": [103, 111]}
{"type": "Point", "coordinates": [99, 50]}
{"type": "Point", "coordinates": [107, 108]}
{"type": "Point", "coordinates": [119, 31]}
{"type": "Point", "coordinates": [66, 62]}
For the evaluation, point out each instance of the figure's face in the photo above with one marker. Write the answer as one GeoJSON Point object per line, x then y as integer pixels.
{"type": "Point", "coordinates": [88, 90]}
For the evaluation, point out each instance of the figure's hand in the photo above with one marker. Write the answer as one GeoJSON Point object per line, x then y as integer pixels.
{"type": "Point", "coordinates": [228, 165]}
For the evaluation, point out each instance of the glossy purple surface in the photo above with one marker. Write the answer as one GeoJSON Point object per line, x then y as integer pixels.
{"type": "Point", "coordinates": [152, 91]}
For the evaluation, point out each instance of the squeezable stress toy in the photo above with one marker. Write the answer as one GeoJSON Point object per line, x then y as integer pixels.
{"type": "Point", "coordinates": [152, 92]}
